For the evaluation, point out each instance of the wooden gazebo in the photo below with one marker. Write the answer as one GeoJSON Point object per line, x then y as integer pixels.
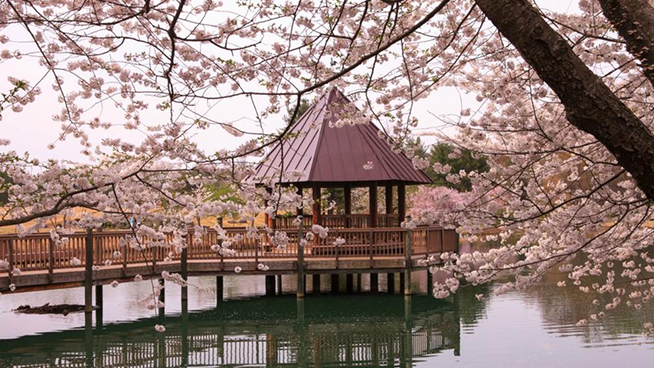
{"type": "Point", "coordinates": [322, 152]}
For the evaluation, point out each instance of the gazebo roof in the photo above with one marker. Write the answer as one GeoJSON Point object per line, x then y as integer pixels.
{"type": "Point", "coordinates": [318, 152]}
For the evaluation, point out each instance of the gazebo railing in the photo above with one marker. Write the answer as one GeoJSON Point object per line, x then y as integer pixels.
{"type": "Point", "coordinates": [341, 221]}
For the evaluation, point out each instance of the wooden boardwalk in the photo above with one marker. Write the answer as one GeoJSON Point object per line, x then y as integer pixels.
{"type": "Point", "coordinates": [43, 264]}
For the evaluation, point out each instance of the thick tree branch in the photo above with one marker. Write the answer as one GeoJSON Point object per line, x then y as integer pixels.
{"type": "Point", "coordinates": [589, 104]}
{"type": "Point", "coordinates": [634, 21]}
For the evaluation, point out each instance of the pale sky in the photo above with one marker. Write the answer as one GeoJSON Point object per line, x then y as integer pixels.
{"type": "Point", "coordinates": [33, 129]}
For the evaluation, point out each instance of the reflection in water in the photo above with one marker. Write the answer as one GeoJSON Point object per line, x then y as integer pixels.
{"type": "Point", "coordinates": [325, 331]}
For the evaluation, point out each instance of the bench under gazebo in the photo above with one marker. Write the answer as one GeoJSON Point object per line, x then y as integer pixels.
{"type": "Point", "coordinates": [321, 155]}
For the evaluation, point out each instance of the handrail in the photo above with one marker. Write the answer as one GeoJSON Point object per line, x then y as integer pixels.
{"type": "Point", "coordinates": [33, 252]}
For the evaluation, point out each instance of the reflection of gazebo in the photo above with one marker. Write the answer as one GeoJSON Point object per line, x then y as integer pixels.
{"type": "Point", "coordinates": [317, 154]}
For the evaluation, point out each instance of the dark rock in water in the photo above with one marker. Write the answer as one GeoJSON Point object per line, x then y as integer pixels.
{"type": "Point", "coordinates": [50, 309]}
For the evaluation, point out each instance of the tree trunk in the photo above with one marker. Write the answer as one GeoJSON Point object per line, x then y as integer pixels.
{"type": "Point", "coordinates": [634, 21]}
{"type": "Point", "coordinates": [589, 104]}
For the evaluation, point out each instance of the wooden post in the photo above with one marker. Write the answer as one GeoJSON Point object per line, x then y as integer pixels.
{"type": "Point", "coordinates": [401, 201]}
{"type": "Point", "coordinates": [430, 283]}
{"type": "Point", "coordinates": [359, 288]}
{"type": "Point", "coordinates": [442, 239]}
{"type": "Point", "coordinates": [316, 205]}
{"type": "Point", "coordinates": [185, 272]}
{"type": "Point", "coordinates": [349, 282]}
{"type": "Point", "coordinates": [125, 248]}
{"type": "Point", "coordinates": [388, 196]}
{"type": "Point", "coordinates": [335, 283]}
{"type": "Point", "coordinates": [50, 260]}
{"type": "Point", "coordinates": [300, 210]}
{"type": "Point", "coordinates": [374, 282]}
{"type": "Point", "coordinates": [270, 285]}
{"type": "Point", "coordinates": [219, 221]}
{"type": "Point", "coordinates": [88, 273]}
{"type": "Point", "coordinates": [372, 196]}
{"type": "Point", "coordinates": [337, 250]}
{"type": "Point", "coordinates": [279, 285]}
{"type": "Point", "coordinates": [407, 259]}
{"type": "Point", "coordinates": [315, 280]}
{"type": "Point", "coordinates": [390, 283]}
{"type": "Point", "coordinates": [347, 197]}
{"type": "Point", "coordinates": [300, 260]}
{"type": "Point", "coordinates": [219, 289]}
{"type": "Point", "coordinates": [11, 261]}
{"type": "Point", "coordinates": [371, 241]}
{"type": "Point", "coordinates": [162, 297]}
{"type": "Point", "coordinates": [98, 296]}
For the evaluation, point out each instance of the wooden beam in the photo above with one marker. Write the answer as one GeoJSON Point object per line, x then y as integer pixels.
{"type": "Point", "coordinates": [401, 201]}
{"type": "Point", "coordinates": [372, 196]}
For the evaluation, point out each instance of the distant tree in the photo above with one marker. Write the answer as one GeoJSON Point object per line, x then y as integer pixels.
{"type": "Point", "coordinates": [456, 159]}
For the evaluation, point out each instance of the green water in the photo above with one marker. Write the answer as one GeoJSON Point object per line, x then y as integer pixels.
{"type": "Point", "coordinates": [534, 328]}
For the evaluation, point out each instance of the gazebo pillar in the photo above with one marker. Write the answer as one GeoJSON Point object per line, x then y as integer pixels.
{"type": "Point", "coordinates": [401, 202]}
{"type": "Point", "coordinates": [388, 195]}
{"type": "Point", "coordinates": [347, 198]}
{"type": "Point", "coordinates": [300, 210]}
{"type": "Point", "coordinates": [372, 195]}
{"type": "Point", "coordinates": [389, 198]}
{"type": "Point", "coordinates": [316, 204]}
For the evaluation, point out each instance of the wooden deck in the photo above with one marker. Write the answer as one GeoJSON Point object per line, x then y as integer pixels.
{"type": "Point", "coordinates": [43, 264]}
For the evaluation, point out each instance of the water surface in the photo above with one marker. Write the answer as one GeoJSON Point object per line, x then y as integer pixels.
{"type": "Point", "coordinates": [534, 328]}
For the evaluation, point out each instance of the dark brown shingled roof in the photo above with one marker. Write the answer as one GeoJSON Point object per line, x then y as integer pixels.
{"type": "Point", "coordinates": [317, 152]}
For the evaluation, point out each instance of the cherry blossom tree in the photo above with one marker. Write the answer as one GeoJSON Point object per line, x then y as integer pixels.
{"type": "Point", "coordinates": [563, 115]}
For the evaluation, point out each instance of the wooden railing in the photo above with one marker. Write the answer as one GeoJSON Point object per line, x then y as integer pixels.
{"type": "Point", "coordinates": [355, 221]}
{"type": "Point", "coordinates": [38, 252]}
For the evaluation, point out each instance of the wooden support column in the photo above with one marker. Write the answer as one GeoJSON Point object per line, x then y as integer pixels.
{"type": "Point", "coordinates": [349, 282]}
{"type": "Point", "coordinates": [162, 297]}
{"type": "Point", "coordinates": [359, 283]}
{"type": "Point", "coordinates": [185, 272]}
{"type": "Point", "coordinates": [88, 273]}
{"type": "Point", "coordinates": [270, 285]}
{"type": "Point", "coordinates": [335, 283]}
{"type": "Point", "coordinates": [219, 289]}
{"type": "Point", "coordinates": [390, 283]}
{"type": "Point", "coordinates": [388, 195]}
{"type": "Point", "coordinates": [374, 282]}
{"type": "Point", "coordinates": [372, 196]}
{"type": "Point", "coordinates": [347, 199]}
{"type": "Point", "coordinates": [408, 261]}
{"type": "Point", "coordinates": [316, 205]}
{"type": "Point", "coordinates": [98, 306]}
{"type": "Point", "coordinates": [315, 280]}
{"type": "Point", "coordinates": [430, 283]}
{"type": "Point", "coordinates": [279, 285]}
{"type": "Point", "coordinates": [300, 210]}
{"type": "Point", "coordinates": [401, 202]}
{"type": "Point", "coordinates": [98, 296]}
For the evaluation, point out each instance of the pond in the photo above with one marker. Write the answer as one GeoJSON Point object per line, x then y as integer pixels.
{"type": "Point", "coordinates": [533, 328]}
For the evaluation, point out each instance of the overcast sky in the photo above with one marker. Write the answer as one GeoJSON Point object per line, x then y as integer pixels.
{"type": "Point", "coordinates": [33, 129]}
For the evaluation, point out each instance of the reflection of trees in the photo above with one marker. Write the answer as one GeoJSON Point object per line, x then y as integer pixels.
{"type": "Point", "coordinates": [471, 309]}
{"type": "Point", "coordinates": [563, 307]}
